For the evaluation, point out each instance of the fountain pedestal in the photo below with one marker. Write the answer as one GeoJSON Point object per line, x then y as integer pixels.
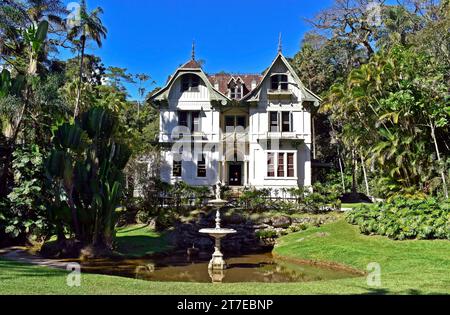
{"type": "Point", "coordinates": [217, 262]}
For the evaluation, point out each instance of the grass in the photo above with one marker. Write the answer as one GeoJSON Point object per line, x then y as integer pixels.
{"type": "Point", "coordinates": [411, 267]}
{"type": "Point", "coordinates": [140, 240]}
{"type": "Point", "coordinates": [351, 205]}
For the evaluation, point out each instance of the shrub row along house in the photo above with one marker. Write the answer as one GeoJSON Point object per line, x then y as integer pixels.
{"type": "Point", "coordinates": [237, 130]}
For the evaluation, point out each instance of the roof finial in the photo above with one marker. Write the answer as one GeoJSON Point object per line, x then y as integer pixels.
{"type": "Point", "coordinates": [193, 50]}
{"type": "Point", "coordinates": [280, 44]}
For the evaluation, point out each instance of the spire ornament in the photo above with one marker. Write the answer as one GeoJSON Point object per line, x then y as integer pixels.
{"type": "Point", "coordinates": [193, 50]}
{"type": "Point", "coordinates": [280, 44]}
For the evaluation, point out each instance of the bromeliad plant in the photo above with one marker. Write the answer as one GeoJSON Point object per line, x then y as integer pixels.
{"type": "Point", "coordinates": [86, 169]}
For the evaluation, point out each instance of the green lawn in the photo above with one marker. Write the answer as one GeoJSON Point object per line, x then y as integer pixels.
{"type": "Point", "coordinates": [139, 241]}
{"type": "Point", "coordinates": [351, 205]}
{"type": "Point", "coordinates": [407, 267]}
{"type": "Point", "coordinates": [412, 267]}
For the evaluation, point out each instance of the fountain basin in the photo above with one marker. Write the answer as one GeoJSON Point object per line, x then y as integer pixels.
{"type": "Point", "coordinates": [218, 232]}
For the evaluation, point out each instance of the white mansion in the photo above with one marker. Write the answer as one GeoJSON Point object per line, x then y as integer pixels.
{"type": "Point", "coordinates": [237, 129]}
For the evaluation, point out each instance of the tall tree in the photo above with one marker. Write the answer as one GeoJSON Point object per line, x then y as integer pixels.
{"type": "Point", "coordinates": [89, 27]}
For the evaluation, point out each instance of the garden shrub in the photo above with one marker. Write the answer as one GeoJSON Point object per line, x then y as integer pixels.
{"type": "Point", "coordinates": [266, 234]}
{"type": "Point", "coordinates": [402, 219]}
{"type": "Point", "coordinates": [256, 200]}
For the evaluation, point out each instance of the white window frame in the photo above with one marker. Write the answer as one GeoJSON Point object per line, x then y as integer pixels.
{"type": "Point", "coordinates": [190, 121]}
{"type": "Point", "coordinates": [280, 121]}
{"type": "Point", "coordinates": [285, 152]}
{"type": "Point", "coordinates": [206, 166]}
{"type": "Point", "coordinates": [280, 83]}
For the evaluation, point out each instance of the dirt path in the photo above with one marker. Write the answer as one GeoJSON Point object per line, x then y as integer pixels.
{"type": "Point", "coordinates": [20, 254]}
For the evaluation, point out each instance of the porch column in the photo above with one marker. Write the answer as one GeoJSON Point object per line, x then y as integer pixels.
{"type": "Point", "coordinates": [246, 173]}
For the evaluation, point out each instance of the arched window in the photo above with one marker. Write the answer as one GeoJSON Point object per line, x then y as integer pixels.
{"type": "Point", "coordinates": [190, 83]}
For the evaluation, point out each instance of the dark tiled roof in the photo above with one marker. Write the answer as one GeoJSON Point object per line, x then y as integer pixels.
{"type": "Point", "coordinates": [191, 64]}
{"type": "Point", "coordinates": [222, 79]}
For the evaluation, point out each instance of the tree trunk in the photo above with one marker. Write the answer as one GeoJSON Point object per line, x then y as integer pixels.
{"type": "Point", "coordinates": [80, 77]}
{"type": "Point", "coordinates": [354, 185]}
{"type": "Point", "coordinates": [365, 175]}
{"type": "Point", "coordinates": [74, 213]}
{"type": "Point", "coordinates": [6, 175]}
{"type": "Point", "coordinates": [341, 167]}
{"type": "Point", "coordinates": [438, 153]}
{"type": "Point", "coordinates": [11, 143]}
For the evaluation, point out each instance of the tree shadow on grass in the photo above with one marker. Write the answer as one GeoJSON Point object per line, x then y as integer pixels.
{"type": "Point", "coordinates": [383, 291]}
{"type": "Point", "coordinates": [376, 291]}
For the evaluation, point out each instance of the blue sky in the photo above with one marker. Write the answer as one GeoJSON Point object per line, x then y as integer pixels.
{"type": "Point", "coordinates": [155, 37]}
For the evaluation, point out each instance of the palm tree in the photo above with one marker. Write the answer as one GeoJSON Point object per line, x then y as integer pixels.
{"type": "Point", "coordinates": [90, 27]}
{"type": "Point", "coordinates": [19, 16]}
{"type": "Point", "coordinates": [51, 10]}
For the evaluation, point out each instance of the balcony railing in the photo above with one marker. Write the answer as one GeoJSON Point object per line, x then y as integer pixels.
{"type": "Point", "coordinates": [279, 92]}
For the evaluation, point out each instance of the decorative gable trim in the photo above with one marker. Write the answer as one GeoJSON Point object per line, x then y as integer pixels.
{"type": "Point", "coordinates": [162, 96]}
{"type": "Point", "coordinates": [254, 95]}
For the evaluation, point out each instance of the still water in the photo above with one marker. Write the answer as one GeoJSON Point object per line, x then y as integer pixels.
{"type": "Point", "coordinates": [249, 268]}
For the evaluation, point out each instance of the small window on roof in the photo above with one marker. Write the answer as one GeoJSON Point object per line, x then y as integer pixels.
{"type": "Point", "coordinates": [236, 89]}
{"type": "Point", "coordinates": [279, 82]}
{"type": "Point", "coordinates": [190, 83]}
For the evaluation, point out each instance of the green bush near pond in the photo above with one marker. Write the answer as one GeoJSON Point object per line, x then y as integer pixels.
{"type": "Point", "coordinates": [402, 219]}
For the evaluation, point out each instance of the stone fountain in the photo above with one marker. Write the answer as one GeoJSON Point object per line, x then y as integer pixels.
{"type": "Point", "coordinates": [217, 262]}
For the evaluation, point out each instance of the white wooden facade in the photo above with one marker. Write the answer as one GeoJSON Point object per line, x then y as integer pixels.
{"type": "Point", "coordinates": [271, 145]}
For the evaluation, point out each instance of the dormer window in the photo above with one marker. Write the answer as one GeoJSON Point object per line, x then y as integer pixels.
{"type": "Point", "coordinates": [279, 82]}
{"type": "Point", "coordinates": [236, 89]}
{"type": "Point", "coordinates": [190, 83]}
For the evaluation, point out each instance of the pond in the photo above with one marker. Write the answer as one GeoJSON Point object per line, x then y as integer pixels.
{"type": "Point", "coordinates": [248, 268]}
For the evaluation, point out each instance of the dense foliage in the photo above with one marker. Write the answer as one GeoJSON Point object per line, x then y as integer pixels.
{"type": "Point", "coordinates": [383, 128]}
{"type": "Point", "coordinates": [56, 174]}
{"type": "Point", "coordinates": [405, 219]}
{"type": "Point", "coordinates": [85, 168]}
{"type": "Point", "coordinates": [386, 100]}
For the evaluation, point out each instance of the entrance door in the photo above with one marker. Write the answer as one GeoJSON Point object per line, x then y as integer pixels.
{"type": "Point", "coordinates": [235, 175]}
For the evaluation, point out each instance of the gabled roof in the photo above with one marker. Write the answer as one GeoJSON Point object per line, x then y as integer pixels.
{"type": "Point", "coordinates": [223, 79]}
{"type": "Point", "coordinates": [254, 95]}
{"type": "Point", "coordinates": [190, 67]}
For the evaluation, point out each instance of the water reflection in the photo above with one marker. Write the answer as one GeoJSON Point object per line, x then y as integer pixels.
{"type": "Point", "coordinates": [250, 268]}
{"type": "Point", "coordinates": [216, 276]}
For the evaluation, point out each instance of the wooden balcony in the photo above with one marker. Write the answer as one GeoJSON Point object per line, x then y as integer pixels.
{"type": "Point", "coordinates": [279, 94]}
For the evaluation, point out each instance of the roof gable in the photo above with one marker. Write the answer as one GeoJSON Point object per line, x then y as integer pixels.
{"type": "Point", "coordinates": [310, 96]}
{"type": "Point", "coordinates": [191, 67]}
